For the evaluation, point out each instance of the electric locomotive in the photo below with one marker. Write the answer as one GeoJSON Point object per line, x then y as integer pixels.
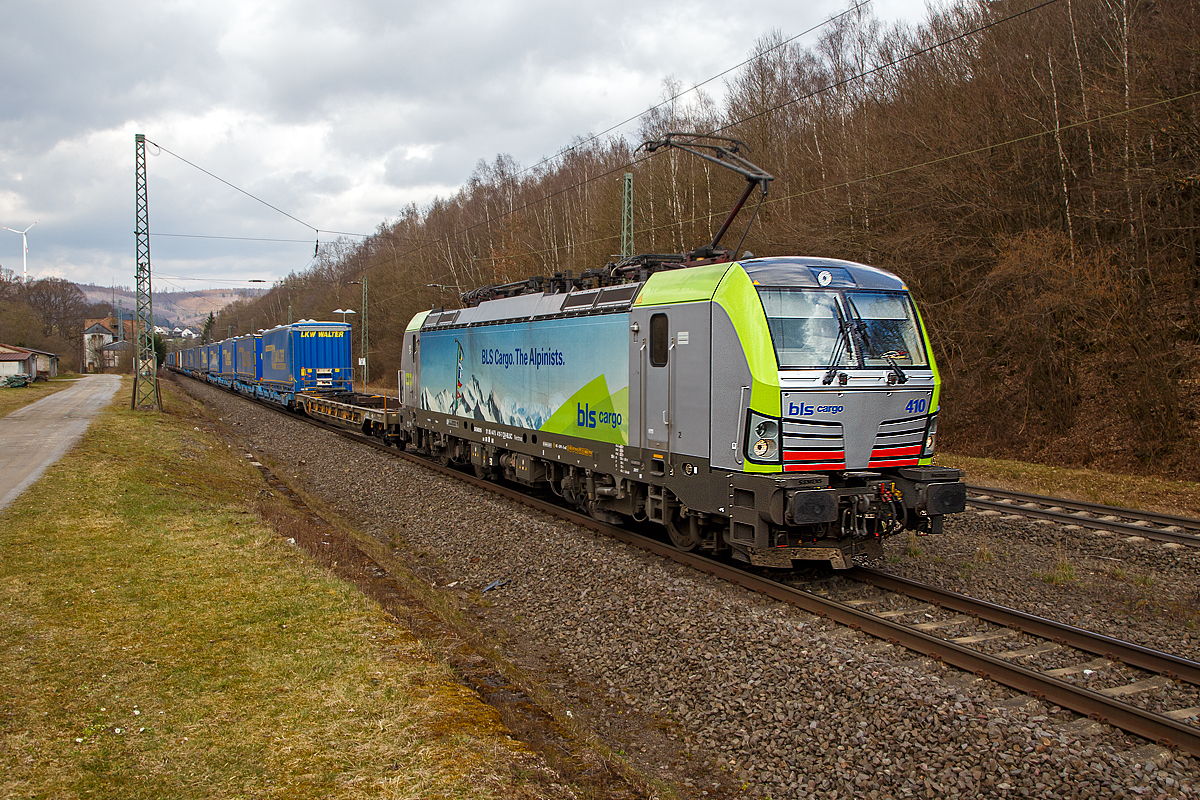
{"type": "Point", "coordinates": [774, 409]}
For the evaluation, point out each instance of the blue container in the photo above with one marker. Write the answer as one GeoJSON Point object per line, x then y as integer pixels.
{"type": "Point", "coordinates": [228, 358]}
{"type": "Point", "coordinates": [247, 353]}
{"type": "Point", "coordinates": [308, 356]}
{"type": "Point", "coordinates": [214, 358]}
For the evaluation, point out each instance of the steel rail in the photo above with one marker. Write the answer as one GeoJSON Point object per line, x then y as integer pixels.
{"type": "Point", "coordinates": [1149, 725]}
{"type": "Point", "coordinates": [1155, 534]}
{"type": "Point", "coordinates": [1166, 520]}
{"type": "Point", "coordinates": [1134, 655]}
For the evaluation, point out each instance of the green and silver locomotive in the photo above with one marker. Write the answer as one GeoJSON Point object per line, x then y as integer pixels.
{"type": "Point", "coordinates": [773, 409]}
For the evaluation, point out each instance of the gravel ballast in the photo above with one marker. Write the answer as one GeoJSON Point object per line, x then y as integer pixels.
{"type": "Point", "coordinates": [719, 692]}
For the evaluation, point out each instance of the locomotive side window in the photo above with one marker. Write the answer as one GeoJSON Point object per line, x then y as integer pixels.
{"type": "Point", "coordinates": [659, 340]}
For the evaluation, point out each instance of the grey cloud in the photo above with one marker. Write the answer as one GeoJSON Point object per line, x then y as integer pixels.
{"type": "Point", "coordinates": [354, 88]}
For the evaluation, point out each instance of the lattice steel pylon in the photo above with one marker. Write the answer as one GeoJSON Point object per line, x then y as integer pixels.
{"type": "Point", "coordinates": [627, 215]}
{"type": "Point", "coordinates": [145, 363]}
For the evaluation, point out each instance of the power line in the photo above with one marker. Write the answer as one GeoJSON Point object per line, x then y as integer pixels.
{"type": "Point", "coordinates": [232, 186]}
{"type": "Point", "coordinates": [229, 238]}
{"type": "Point", "coordinates": [678, 95]}
{"type": "Point", "coordinates": [596, 137]}
{"type": "Point", "coordinates": [895, 62]}
{"type": "Point", "coordinates": [593, 138]}
{"type": "Point", "coordinates": [212, 280]}
{"type": "Point", "coordinates": [792, 101]}
{"type": "Point", "coordinates": [885, 174]}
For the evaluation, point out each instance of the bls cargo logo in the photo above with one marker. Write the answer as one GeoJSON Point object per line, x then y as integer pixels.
{"type": "Point", "coordinates": [805, 410]}
{"type": "Point", "coordinates": [586, 417]}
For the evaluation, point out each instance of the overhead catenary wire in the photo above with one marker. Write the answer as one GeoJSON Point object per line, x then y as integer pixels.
{"type": "Point", "coordinates": [230, 238]}
{"type": "Point", "coordinates": [792, 101]}
{"type": "Point", "coordinates": [857, 6]}
{"type": "Point", "coordinates": [234, 187]}
{"type": "Point", "coordinates": [676, 96]}
{"type": "Point", "coordinates": [884, 174]}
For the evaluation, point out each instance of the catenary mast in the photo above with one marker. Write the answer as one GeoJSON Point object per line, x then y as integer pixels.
{"type": "Point", "coordinates": [145, 381]}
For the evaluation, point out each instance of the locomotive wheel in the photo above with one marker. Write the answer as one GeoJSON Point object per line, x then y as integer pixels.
{"type": "Point", "coordinates": [680, 532]}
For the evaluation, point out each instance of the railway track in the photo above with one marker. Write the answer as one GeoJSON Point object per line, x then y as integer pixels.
{"type": "Point", "coordinates": [1145, 692]}
{"type": "Point", "coordinates": [1145, 524]}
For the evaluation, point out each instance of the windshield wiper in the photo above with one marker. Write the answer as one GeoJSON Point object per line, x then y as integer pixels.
{"type": "Point", "coordinates": [860, 325]}
{"type": "Point", "coordinates": [839, 348]}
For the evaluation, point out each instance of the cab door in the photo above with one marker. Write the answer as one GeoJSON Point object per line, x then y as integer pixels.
{"type": "Point", "coordinates": [651, 351]}
{"type": "Point", "coordinates": [410, 370]}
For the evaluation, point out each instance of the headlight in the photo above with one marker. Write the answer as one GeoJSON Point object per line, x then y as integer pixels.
{"type": "Point", "coordinates": [930, 435]}
{"type": "Point", "coordinates": [765, 449]}
{"type": "Point", "coordinates": [762, 439]}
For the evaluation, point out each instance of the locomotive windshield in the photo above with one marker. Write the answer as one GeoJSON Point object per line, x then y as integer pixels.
{"type": "Point", "coordinates": [842, 328]}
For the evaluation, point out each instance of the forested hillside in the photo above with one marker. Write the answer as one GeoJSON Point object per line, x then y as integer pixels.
{"type": "Point", "coordinates": [1030, 169]}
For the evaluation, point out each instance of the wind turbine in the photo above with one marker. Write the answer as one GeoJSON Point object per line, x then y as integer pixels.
{"type": "Point", "coordinates": [24, 249]}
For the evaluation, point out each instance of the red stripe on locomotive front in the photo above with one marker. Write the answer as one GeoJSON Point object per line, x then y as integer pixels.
{"type": "Point", "coordinates": [813, 455]}
{"type": "Point", "coordinates": [892, 452]}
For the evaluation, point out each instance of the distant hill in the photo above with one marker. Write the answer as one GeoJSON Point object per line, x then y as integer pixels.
{"type": "Point", "coordinates": [185, 309]}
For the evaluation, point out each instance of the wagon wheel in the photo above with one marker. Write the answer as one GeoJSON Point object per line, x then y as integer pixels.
{"type": "Point", "coordinates": [681, 532]}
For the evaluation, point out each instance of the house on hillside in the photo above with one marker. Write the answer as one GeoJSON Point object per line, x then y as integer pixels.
{"type": "Point", "coordinates": [98, 334]}
{"type": "Point", "coordinates": [111, 354]}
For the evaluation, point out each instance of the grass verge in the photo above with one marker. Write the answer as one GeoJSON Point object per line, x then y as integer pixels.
{"type": "Point", "coordinates": [13, 398]}
{"type": "Point", "coordinates": [158, 640]}
{"type": "Point", "coordinates": [1127, 491]}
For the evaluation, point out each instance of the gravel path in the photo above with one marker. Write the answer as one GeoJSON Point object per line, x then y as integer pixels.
{"type": "Point", "coordinates": [722, 693]}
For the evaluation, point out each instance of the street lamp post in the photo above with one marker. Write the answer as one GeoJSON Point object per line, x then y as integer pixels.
{"type": "Point", "coordinates": [365, 353]}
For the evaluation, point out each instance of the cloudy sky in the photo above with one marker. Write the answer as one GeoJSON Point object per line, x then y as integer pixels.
{"type": "Point", "coordinates": [337, 113]}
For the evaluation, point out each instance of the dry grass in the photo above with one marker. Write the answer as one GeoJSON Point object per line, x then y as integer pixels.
{"type": "Point", "coordinates": [1127, 491]}
{"type": "Point", "coordinates": [158, 640]}
{"type": "Point", "coordinates": [12, 399]}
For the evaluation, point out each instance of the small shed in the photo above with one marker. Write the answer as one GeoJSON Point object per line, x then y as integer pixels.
{"type": "Point", "coordinates": [47, 363]}
{"type": "Point", "coordinates": [17, 361]}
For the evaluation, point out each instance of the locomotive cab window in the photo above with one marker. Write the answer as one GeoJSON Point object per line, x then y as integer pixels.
{"type": "Point", "coordinates": [830, 328]}
{"type": "Point", "coordinates": [888, 329]}
{"type": "Point", "coordinates": [659, 340]}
